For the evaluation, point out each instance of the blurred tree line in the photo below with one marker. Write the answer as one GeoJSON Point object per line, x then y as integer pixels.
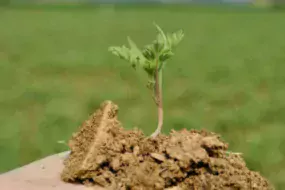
{"type": "Point", "coordinates": [256, 2]}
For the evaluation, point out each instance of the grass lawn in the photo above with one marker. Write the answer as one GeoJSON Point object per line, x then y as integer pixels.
{"type": "Point", "coordinates": [227, 76]}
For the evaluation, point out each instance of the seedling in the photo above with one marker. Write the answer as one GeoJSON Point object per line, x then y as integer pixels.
{"type": "Point", "coordinates": [152, 58]}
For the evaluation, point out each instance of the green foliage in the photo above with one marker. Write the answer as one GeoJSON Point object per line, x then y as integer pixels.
{"type": "Point", "coordinates": [159, 51]}
{"type": "Point", "coordinates": [152, 59]}
{"type": "Point", "coordinates": [51, 80]}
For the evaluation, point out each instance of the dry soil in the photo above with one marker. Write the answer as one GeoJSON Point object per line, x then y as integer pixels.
{"type": "Point", "coordinates": [105, 154]}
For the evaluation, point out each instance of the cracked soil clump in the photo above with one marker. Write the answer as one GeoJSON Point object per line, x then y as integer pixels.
{"type": "Point", "coordinates": [105, 154]}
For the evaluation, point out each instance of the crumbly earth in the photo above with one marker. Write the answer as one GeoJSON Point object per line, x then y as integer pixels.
{"type": "Point", "coordinates": [104, 153]}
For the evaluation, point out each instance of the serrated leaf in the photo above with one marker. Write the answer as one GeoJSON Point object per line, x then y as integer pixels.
{"type": "Point", "coordinates": [161, 47]}
{"type": "Point", "coordinates": [175, 38]}
{"type": "Point", "coordinates": [135, 51]}
{"type": "Point", "coordinates": [164, 57]}
{"type": "Point", "coordinates": [161, 38]}
{"type": "Point", "coordinates": [148, 53]}
{"type": "Point", "coordinates": [122, 52]}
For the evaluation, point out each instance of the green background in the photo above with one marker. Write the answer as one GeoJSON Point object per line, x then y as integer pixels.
{"type": "Point", "coordinates": [227, 76]}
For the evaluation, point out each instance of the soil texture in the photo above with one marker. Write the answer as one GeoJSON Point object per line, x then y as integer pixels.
{"type": "Point", "coordinates": [104, 153]}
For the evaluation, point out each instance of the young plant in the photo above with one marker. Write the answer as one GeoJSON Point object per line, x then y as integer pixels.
{"type": "Point", "coordinates": [152, 58]}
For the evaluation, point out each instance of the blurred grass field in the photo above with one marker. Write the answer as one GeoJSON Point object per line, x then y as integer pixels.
{"type": "Point", "coordinates": [227, 76]}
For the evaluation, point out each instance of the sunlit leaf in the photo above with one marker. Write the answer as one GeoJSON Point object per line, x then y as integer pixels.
{"type": "Point", "coordinates": [160, 50]}
{"type": "Point", "coordinates": [175, 38]}
{"type": "Point", "coordinates": [161, 38]}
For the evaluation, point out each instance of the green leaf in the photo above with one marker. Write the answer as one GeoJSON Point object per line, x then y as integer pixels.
{"type": "Point", "coordinates": [165, 56]}
{"type": "Point", "coordinates": [149, 67]}
{"type": "Point", "coordinates": [161, 38]}
{"type": "Point", "coordinates": [133, 55]}
{"type": "Point", "coordinates": [122, 52]}
{"type": "Point", "coordinates": [175, 38]}
{"type": "Point", "coordinates": [135, 51]}
{"type": "Point", "coordinates": [160, 48]}
{"type": "Point", "coordinates": [148, 53]}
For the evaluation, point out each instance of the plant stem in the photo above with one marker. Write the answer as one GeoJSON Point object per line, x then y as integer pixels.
{"type": "Point", "coordinates": [158, 95]}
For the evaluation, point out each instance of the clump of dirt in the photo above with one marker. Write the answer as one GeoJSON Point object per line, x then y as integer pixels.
{"type": "Point", "coordinates": [105, 154]}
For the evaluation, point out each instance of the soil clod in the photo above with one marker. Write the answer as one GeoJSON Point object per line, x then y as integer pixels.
{"type": "Point", "coordinates": [105, 154]}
